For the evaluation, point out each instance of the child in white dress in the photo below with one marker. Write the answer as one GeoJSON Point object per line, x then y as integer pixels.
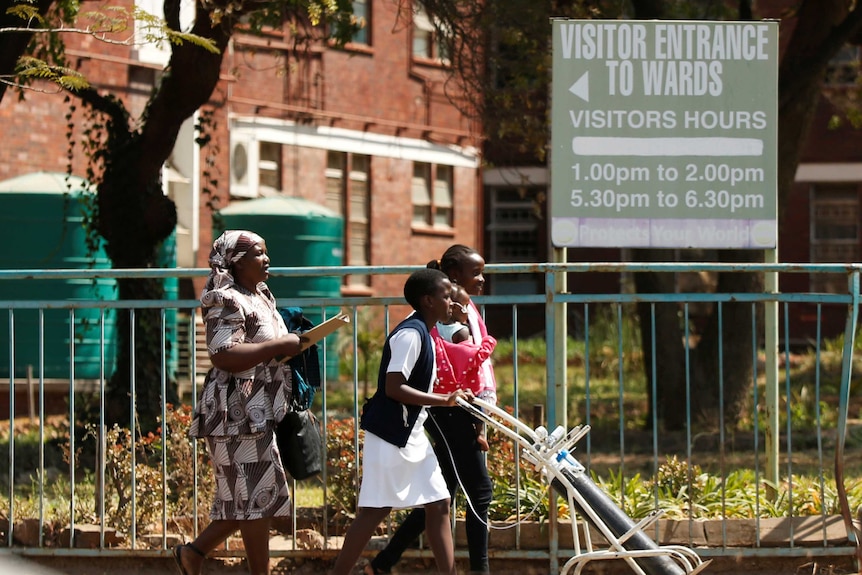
{"type": "Point", "coordinates": [399, 468]}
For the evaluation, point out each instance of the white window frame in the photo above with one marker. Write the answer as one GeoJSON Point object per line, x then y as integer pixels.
{"type": "Point", "coordinates": [424, 26]}
{"type": "Point", "coordinates": [426, 192]}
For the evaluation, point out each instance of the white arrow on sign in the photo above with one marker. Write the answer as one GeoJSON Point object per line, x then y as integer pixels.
{"type": "Point", "coordinates": [581, 87]}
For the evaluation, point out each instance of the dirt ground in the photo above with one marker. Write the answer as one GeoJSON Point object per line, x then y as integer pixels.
{"type": "Point", "coordinates": [164, 565]}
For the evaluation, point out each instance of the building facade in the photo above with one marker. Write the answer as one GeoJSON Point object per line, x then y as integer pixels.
{"type": "Point", "coordinates": [371, 131]}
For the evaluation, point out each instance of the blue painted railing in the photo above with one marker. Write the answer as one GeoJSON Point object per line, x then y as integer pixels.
{"type": "Point", "coordinates": [773, 450]}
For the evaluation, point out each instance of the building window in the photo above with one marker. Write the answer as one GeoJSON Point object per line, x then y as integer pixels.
{"type": "Point", "coordinates": [350, 197]}
{"type": "Point", "coordinates": [269, 167]}
{"type": "Point", "coordinates": [362, 15]}
{"type": "Point", "coordinates": [431, 193]}
{"type": "Point", "coordinates": [513, 234]}
{"type": "Point", "coordinates": [335, 162]}
{"type": "Point", "coordinates": [428, 42]}
{"type": "Point", "coordinates": [834, 232]}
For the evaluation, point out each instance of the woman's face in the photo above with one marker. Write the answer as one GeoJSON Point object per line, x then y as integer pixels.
{"type": "Point", "coordinates": [469, 274]}
{"type": "Point", "coordinates": [253, 267]}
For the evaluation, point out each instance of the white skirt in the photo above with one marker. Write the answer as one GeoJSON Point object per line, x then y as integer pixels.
{"type": "Point", "coordinates": [401, 477]}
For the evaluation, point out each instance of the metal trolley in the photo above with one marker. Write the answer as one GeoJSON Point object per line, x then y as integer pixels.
{"type": "Point", "coordinates": [550, 454]}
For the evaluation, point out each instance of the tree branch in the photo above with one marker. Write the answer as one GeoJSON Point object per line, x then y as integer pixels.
{"type": "Point", "coordinates": [822, 29]}
{"type": "Point", "coordinates": [12, 46]}
{"type": "Point", "coordinates": [108, 105]}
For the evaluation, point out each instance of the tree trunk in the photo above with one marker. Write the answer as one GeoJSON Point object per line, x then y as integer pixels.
{"type": "Point", "coordinates": [667, 391]}
{"type": "Point", "coordinates": [727, 377]}
{"type": "Point", "coordinates": [704, 389]}
{"type": "Point", "coordinates": [135, 217]}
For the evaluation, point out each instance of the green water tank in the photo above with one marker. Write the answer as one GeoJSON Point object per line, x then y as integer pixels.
{"type": "Point", "coordinates": [167, 258]}
{"type": "Point", "coordinates": [45, 214]}
{"type": "Point", "coordinates": [298, 233]}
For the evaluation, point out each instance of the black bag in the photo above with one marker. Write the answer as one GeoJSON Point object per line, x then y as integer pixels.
{"type": "Point", "coordinates": [298, 435]}
{"type": "Point", "coordinates": [300, 443]}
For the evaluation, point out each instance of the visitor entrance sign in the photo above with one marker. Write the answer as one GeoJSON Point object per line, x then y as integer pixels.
{"type": "Point", "coordinates": [664, 134]}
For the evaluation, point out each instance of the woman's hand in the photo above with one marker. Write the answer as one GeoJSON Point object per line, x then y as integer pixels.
{"type": "Point", "coordinates": [452, 398]}
{"type": "Point", "coordinates": [245, 356]}
{"type": "Point", "coordinates": [291, 345]}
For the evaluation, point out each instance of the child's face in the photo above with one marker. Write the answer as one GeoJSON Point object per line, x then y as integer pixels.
{"type": "Point", "coordinates": [441, 301]}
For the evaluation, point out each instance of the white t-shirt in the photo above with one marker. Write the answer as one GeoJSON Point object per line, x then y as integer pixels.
{"type": "Point", "coordinates": [409, 476]}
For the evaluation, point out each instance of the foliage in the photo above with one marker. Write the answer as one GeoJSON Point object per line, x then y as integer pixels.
{"type": "Point", "coordinates": [150, 487]}
{"type": "Point", "coordinates": [369, 340]}
{"type": "Point", "coordinates": [106, 25]}
{"type": "Point", "coordinates": [610, 329]}
{"type": "Point", "coordinates": [33, 68]}
{"type": "Point", "coordinates": [678, 489]}
{"type": "Point", "coordinates": [342, 469]}
{"type": "Point", "coordinates": [152, 494]}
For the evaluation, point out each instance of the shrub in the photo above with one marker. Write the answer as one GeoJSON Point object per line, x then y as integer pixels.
{"type": "Point", "coordinates": [342, 472]}
{"type": "Point", "coordinates": [179, 483]}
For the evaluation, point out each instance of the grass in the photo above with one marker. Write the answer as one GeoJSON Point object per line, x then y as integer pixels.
{"type": "Point", "coordinates": [309, 493]}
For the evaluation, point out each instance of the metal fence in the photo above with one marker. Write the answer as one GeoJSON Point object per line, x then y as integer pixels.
{"type": "Point", "coordinates": [783, 444]}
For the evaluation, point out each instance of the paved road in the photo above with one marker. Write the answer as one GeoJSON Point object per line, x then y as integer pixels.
{"type": "Point", "coordinates": [165, 566]}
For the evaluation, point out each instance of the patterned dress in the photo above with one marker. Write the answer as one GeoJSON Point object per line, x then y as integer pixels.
{"type": "Point", "coordinates": [237, 412]}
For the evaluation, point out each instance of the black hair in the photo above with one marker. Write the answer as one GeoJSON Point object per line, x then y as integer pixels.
{"type": "Point", "coordinates": [457, 288]}
{"type": "Point", "coordinates": [453, 258]}
{"type": "Point", "coordinates": [421, 283]}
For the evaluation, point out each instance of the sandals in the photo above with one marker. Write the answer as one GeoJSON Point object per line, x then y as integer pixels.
{"type": "Point", "coordinates": [178, 554]}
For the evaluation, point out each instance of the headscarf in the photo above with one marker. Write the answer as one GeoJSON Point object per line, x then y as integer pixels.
{"type": "Point", "coordinates": [227, 250]}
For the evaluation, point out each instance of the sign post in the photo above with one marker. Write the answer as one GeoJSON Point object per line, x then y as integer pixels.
{"type": "Point", "coordinates": [665, 135]}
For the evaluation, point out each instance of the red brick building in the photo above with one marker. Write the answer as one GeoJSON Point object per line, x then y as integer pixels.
{"type": "Point", "coordinates": [368, 131]}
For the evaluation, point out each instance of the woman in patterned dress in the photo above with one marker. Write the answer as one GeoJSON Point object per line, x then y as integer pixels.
{"type": "Point", "coordinates": [245, 394]}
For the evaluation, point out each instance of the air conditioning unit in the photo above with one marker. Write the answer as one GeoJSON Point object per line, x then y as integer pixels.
{"type": "Point", "coordinates": [243, 175]}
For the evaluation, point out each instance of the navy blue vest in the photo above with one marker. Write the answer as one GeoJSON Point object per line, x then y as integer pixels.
{"type": "Point", "coordinates": [392, 420]}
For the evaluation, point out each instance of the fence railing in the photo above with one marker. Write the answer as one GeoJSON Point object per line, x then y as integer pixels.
{"type": "Point", "coordinates": [730, 411]}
